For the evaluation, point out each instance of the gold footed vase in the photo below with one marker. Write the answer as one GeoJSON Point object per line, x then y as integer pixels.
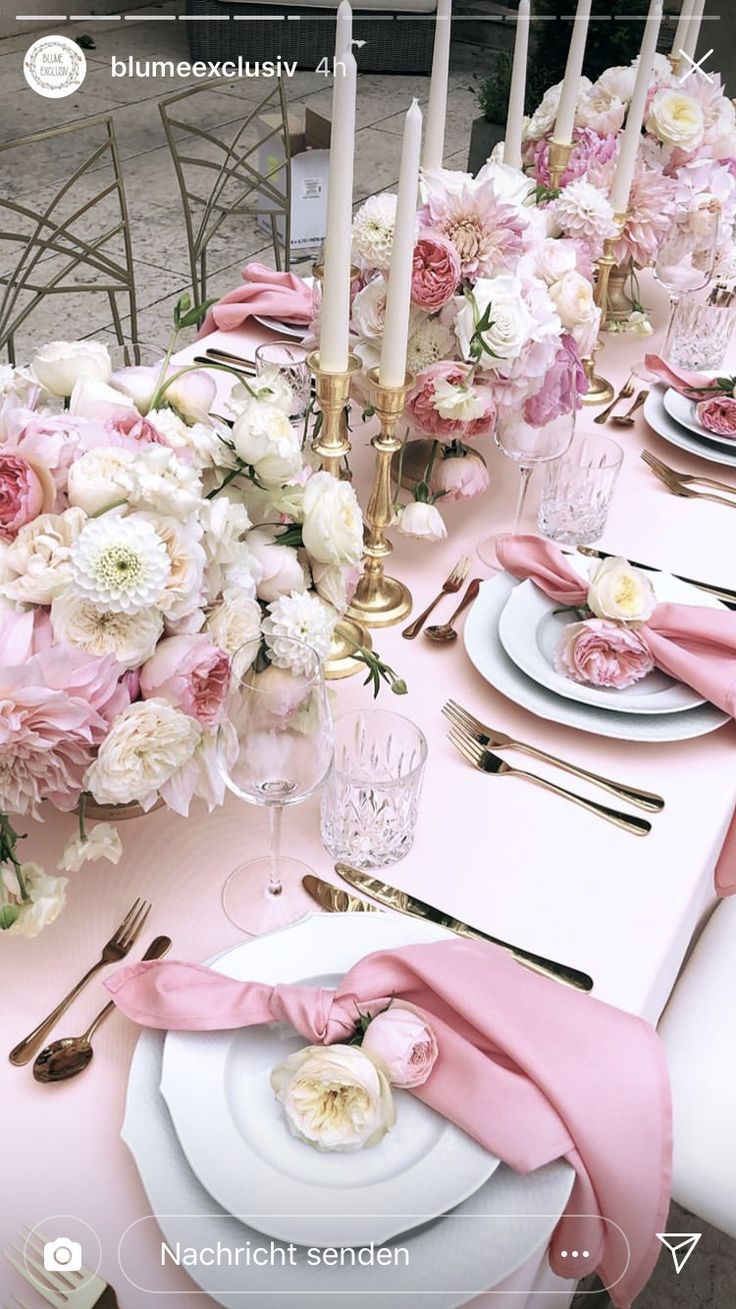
{"type": "Point", "coordinates": [620, 306]}
{"type": "Point", "coordinates": [381, 601]}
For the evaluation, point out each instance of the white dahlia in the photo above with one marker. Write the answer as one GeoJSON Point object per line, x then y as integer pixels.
{"type": "Point", "coordinates": [431, 342]}
{"type": "Point", "coordinates": [120, 563]}
{"type": "Point", "coordinates": [301, 616]}
{"type": "Point", "coordinates": [373, 231]}
{"type": "Point", "coordinates": [584, 213]}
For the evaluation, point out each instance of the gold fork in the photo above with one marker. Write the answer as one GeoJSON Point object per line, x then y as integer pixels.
{"type": "Point", "coordinates": [489, 736]}
{"type": "Point", "coordinates": [679, 483]}
{"type": "Point", "coordinates": [453, 583]}
{"type": "Point", "coordinates": [627, 419]}
{"type": "Point", "coordinates": [626, 392]}
{"type": "Point", "coordinates": [115, 950]}
{"type": "Point", "coordinates": [655, 463]}
{"type": "Point", "coordinates": [488, 762]}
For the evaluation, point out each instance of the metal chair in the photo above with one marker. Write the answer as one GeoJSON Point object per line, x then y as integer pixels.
{"type": "Point", "coordinates": [228, 184]}
{"type": "Point", "coordinates": [62, 227]}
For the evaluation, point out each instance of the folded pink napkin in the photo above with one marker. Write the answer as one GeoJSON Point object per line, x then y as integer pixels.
{"type": "Point", "coordinates": [531, 1069]}
{"type": "Point", "coordinates": [696, 386]}
{"type": "Point", "coordinates": [693, 644]}
{"type": "Point", "coordinates": [265, 292]}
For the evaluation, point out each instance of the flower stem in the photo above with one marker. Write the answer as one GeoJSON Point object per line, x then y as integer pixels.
{"type": "Point", "coordinates": [8, 853]}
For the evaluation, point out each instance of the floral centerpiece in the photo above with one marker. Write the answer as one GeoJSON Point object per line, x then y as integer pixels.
{"type": "Point", "coordinates": [686, 170]}
{"type": "Point", "coordinates": [500, 312]}
{"type": "Point", "coordinates": [143, 543]}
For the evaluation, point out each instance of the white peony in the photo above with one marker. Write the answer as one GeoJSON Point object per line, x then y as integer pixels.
{"type": "Point", "coordinates": [234, 624]}
{"type": "Point", "coordinates": [423, 521]}
{"type": "Point", "coordinates": [47, 897]}
{"type": "Point", "coordinates": [102, 842]}
{"type": "Point", "coordinates": [271, 385]}
{"type": "Point", "coordinates": [201, 440]}
{"type": "Point", "coordinates": [301, 616]}
{"type": "Point", "coordinates": [130, 637]}
{"type": "Point", "coordinates": [120, 563]}
{"type": "Point", "coordinates": [37, 564]}
{"type": "Point", "coordinates": [276, 567]}
{"type": "Point", "coordinates": [334, 1097]}
{"type": "Point", "coordinates": [621, 593]}
{"type": "Point", "coordinates": [145, 746]}
{"type": "Point", "coordinates": [59, 364]}
{"type": "Point", "coordinates": [94, 399]}
{"type": "Point", "coordinates": [264, 438]}
{"type": "Point", "coordinates": [332, 526]}
{"type": "Point", "coordinates": [100, 479]}
{"type": "Point", "coordinates": [676, 119]}
{"type": "Point", "coordinates": [617, 83]}
{"type": "Point", "coordinates": [373, 231]}
{"type": "Point", "coordinates": [511, 326]}
{"type": "Point", "coordinates": [163, 483]}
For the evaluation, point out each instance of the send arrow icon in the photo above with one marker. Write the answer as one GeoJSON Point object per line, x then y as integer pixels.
{"type": "Point", "coordinates": [680, 1246]}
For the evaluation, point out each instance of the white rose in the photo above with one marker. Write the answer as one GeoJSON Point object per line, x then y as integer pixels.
{"type": "Point", "coordinates": [676, 119]}
{"type": "Point", "coordinates": [145, 746]}
{"type": "Point", "coordinates": [573, 299]}
{"type": "Point", "coordinates": [553, 258]}
{"type": "Point", "coordinates": [277, 566]}
{"type": "Point", "coordinates": [99, 479]}
{"type": "Point", "coordinates": [334, 1097]}
{"type": "Point", "coordinates": [369, 309]}
{"type": "Point", "coordinates": [79, 623]}
{"type": "Point", "coordinates": [264, 438]}
{"type": "Point", "coordinates": [103, 842]}
{"type": "Point", "coordinates": [423, 521]}
{"type": "Point", "coordinates": [511, 326]}
{"type": "Point", "coordinates": [510, 184]}
{"type": "Point", "coordinates": [47, 897]}
{"type": "Point", "coordinates": [234, 625]}
{"type": "Point", "coordinates": [332, 528]}
{"type": "Point", "coordinates": [37, 564]}
{"type": "Point", "coordinates": [59, 364]}
{"type": "Point", "coordinates": [620, 592]}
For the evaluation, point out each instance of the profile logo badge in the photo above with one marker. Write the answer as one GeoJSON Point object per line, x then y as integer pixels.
{"type": "Point", "coordinates": [54, 67]}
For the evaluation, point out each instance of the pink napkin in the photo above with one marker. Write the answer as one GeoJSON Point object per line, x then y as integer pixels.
{"type": "Point", "coordinates": [696, 386]}
{"type": "Point", "coordinates": [265, 292]}
{"type": "Point", "coordinates": [693, 644]}
{"type": "Point", "coordinates": [531, 1069]}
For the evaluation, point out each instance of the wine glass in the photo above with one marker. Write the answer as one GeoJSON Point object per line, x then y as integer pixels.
{"type": "Point", "coordinates": [274, 749]}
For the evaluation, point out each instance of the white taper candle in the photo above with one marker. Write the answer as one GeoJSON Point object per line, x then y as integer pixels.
{"type": "Point", "coordinates": [434, 140]}
{"type": "Point", "coordinates": [692, 33]}
{"type": "Point", "coordinates": [573, 71]}
{"type": "Point", "coordinates": [678, 43]}
{"type": "Point", "coordinates": [631, 138]}
{"type": "Point", "coordinates": [335, 308]}
{"type": "Point", "coordinates": [344, 34]}
{"type": "Point", "coordinates": [396, 324]}
{"type": "Point", "coordinates": [515, 116]}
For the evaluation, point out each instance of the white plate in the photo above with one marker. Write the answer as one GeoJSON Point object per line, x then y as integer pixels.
{"type": "Point", "coordinates": [684, 412]}
{"type": "Point", "coordinates": [297, 330]}
{"type": "Point", "coordinates": [675, 434]}
{"type": "Point", "coordinates": [450, 1261]}
{"type": "Point", "coordinates": [232, 1130]}
{"type": "Point", "coordinates": [530, 631]}
{"type": "Point", "coordinates": [489, 657]}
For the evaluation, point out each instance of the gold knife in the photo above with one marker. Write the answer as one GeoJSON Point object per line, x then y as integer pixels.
{"type": "Point", "coordinates": [404, 903]}
{"type": "Point", "coordinates": [334, 899]}
{"type": "Point", "coordinates": [720, 592]}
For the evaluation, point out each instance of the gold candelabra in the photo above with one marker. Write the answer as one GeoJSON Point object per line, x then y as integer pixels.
{"type": "Point", "coordinates": [380, 601]}
{"type": "Point", "coordinates": [559, 157]}
{"type": "Point", "coordinates": [600, 391]}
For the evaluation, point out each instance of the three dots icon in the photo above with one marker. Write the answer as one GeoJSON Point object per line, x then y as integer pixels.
{"type": "Point", "coordinates": [574, 1254]}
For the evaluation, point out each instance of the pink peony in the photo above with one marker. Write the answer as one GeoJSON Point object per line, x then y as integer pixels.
{"type": "Point", "coordinates": [460, 476]}
{"type": "Point", "coordinates": [589, 148]}
{"type": "Point", "coordinates": [133, 427]}
{"type": "Point", "coordinates": [191, 673]}
{"type": "Point", "coordinates": [435, 271]}
{"type": "Point", "coordinates": [55, 440]}
{"type": "Point", "coordinates": [718, 415]}
{"type": "Point", "coordinates": [603, 654]}
{"type": "Point", "coordinates": [563, 387]}
{"type": "Point", "coordinates": [26, 490]}
{"type": "Point", "coordinates": [402, 1043]}
{"type": "Point", "coordinates": [486, 232]}
{"type": "Point", "coordinates": [421, 404]}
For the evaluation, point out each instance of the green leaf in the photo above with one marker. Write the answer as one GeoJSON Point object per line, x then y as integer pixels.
{"type": "Point", "coordinates": [8, 915]}
{"type": "Point", "coordinates": [193, 317]}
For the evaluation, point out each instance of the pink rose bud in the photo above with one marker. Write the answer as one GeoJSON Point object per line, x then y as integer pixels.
{"type": "Point", "coordinates": [401, 1041]}
{"type": "Point", "coordinates": [603, 654]}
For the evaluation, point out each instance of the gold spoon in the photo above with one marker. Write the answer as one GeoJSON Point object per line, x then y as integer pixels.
{"type": "Point", "coordinates": [445, 631]}
{"type": "Point", "coordinates": [70, 1055]}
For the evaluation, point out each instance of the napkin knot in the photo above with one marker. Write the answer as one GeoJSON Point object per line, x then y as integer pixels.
{"type": "Point", "coordinates": [315, 1013]}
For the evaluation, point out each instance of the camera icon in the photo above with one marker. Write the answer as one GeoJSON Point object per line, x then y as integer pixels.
{"type": "Point", "coordinates": [62, 1255]}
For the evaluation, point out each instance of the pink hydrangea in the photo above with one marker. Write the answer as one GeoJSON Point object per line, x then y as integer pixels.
{"type": "Point", "coordinates": [564, 385]}
{"type": "Point", "coordinates": [589, 148]}
{"type": "Point", "coordinates": [486, 232]}
{"type": "Point", "coordinates": [603, 654]}
{"type": "Point", "coordinates": [421, 404]}
{"type": "Point", "coordinates": [436, 271]}
{"type": "Point", "coordinates": [192, 674]}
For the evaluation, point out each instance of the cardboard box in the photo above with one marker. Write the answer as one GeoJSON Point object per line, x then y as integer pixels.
{"type": "Point", "coordinates": [309, 146]}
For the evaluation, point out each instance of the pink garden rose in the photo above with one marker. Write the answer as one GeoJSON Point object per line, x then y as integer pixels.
{"type": "Point", "coordinates": [563, 387]}
{"type": "Point", "coordinates": [469, 407]}
{"type": "Point", "coordinates": [55, 440]}
{"type": "Point", "coordinates": [26, 490]}
{"type": "Point", "coordinates": [435, 271]}
{"type": "Point", "coordinates": [603, 654]}
{"type": "Point", "coordinates": [402, 1043]}
{"type": "Point", "coordinates": [192, 674]}
{"type": "Point", "coordinates": [460, 476]}
{"type": "Point", "coordinates": [718, 415]}
{"type": "Point", "coordinates": [135, 428]}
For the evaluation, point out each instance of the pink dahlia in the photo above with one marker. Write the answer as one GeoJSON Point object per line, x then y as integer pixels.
{"type": "Point", "coordinates": [435, 271]}
{"type": "Point", "coordinates": [487, 233]}
{"type": "Point", "coordinates": [469, 407]}
{"type": "Point", "coordinates": [650, 218]}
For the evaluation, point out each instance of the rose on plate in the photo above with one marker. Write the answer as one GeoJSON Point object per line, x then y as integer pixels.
{"type": "Point", "coordinates": [718, 415]}
{"type": "Point", "coordinates": [603, 653]}
{"type": "Point", "coordinates": [334, 1097]}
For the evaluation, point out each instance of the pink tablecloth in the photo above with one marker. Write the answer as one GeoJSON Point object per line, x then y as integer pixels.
{"type": "Point", "coordinates": [496, 852]}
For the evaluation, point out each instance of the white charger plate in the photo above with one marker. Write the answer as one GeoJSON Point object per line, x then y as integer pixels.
{"type": "Point", "coordinates": [474, 1255]}
{"type": "Point", "coordinates": [232, 1129]}
{"type": "Point", "coordinates": [530, 631]}
{"type": "Point", "coordinates": [684, 412]}
{"type": "Point", "coordinates": [486, 653]}
{"type": "Point", "coordinates": [675, 434]}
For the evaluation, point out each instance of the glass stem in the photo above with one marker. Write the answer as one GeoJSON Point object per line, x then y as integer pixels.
{"type": "Point", "coordinates": [525, 474]}
{"type": "Point", "coordinates": [674, 301]}
{"type": "Point", "coordinates": [275, 885]}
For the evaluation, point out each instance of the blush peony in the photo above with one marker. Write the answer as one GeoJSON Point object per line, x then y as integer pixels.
{"type": "Point", "coordinates": [603, 654]}
{"type": "Point", "coordinates": [192, 674]}
{"type": "Point", "coordinates": [460, 476]}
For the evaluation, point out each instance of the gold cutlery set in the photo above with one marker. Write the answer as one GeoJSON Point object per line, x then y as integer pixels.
{"type": "Point", "coordinates": [688, 484]}
{"type": "Point", "coordinates": [71, 1289]}
{"type": "Point", "coordinates": [626, 392]}
{"type": "Point", "coordinates": [445, 632]}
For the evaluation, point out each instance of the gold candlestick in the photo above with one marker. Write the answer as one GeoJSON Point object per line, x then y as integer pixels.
{"type": "Point", "coordinates": [558, 159]}
{"type": "Point", "coordinates": [333, 392]}
{"type": "Point", "coordinates": [600, 391]}
{"type": "Point", "coordinates": [380, 601]}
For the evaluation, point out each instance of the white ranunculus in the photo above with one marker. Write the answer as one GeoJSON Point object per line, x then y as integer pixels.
{"type": "Point", "coordinates": [145, 746]}
{"type": "Point", "coordinates": [277, 567]}
{"type": "Point", "coordinates": [130, 637]}
{"type": "Point", "coordinates": [163, 483]}
{"type": "Point", "coordinates": [334, 1097]}
{"type": "Point", "coordinates": [47, 897]}
{"type": "Point", "coordinates": [37, 564]}
{"type": "Point", "coordinates": [234, 624]}
{"type": "Point", "coordinates": [553, 258]}
{"type": "Point", "coordinates": [264, 438]}
{"type": "Point", "coordinates": [102, 842]}
{"type": "Point", "coordinates": [100, 478]}
{"type": "Point", "coordinates": [332, 526]}
{"type": "Point", "coordinates": [59, 364]}
{"type": "Point", "coordinates": [621, 593]}
{"type": "Point", "coordinates": [423, 521]}
{"type": "Point", "coordinates": [512, 324]}
{"type": "Point", "coordinates": [676, 119]}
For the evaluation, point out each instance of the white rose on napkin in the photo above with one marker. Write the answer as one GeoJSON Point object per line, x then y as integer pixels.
{"type": "Point", "coordinates": [620, 592]}
{"type": "Point", "coordinates": [334, 1097]}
